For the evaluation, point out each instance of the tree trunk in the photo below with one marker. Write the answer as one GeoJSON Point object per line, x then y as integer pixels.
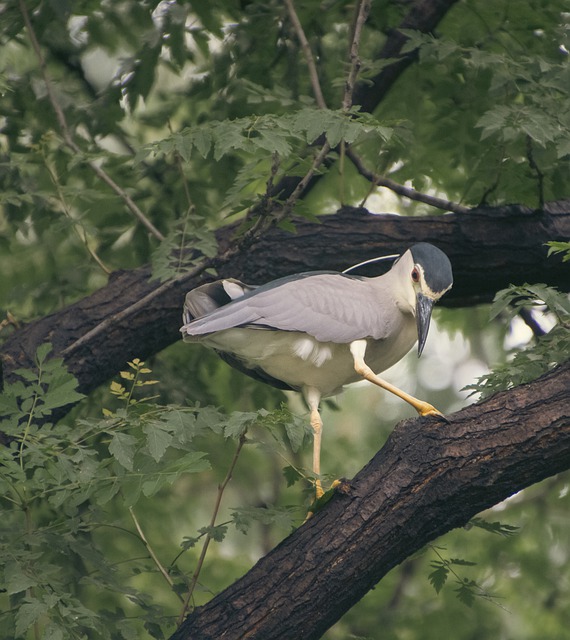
{"type": "Point", "coordinates": [429, 478]}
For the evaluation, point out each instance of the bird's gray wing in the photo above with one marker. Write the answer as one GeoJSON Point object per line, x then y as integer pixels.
{"type": "Point", "coordinates": [328, 306]}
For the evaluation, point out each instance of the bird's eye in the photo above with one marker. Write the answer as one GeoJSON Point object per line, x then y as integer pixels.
{"type": "Point", "coordinates": [415, 274]}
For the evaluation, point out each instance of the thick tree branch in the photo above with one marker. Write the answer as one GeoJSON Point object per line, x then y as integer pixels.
{"type": "Point", "coordinates": [489, 249]}
{"type": "Point", "coordinates": [424, 16]}
{"type": "Point", "coordinates": [430, 477]}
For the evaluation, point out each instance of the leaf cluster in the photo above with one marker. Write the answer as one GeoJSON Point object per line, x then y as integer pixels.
{"type": "Point", "coordinates": [61, 483]}
{"type": "Point", "coordinates": [547, 351]}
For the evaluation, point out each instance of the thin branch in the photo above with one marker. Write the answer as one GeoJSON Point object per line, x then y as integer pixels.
{"type": "Point", "coordinates": [68, 137]}
{"type": "Point", "coordinates": [76, 224]}
{"type": "Point", "coordinates": [400, 189]}
{"type": "Point", "coordinates": [536, 169]}
{"type": "Point", "coordinates": [310, 60]}
{"type": "Point", "coordinates": [142, 302]}
{"type": "Point", "coordinates": [152, 554]}
{"type": "Point", "coordinates": [221, 489]}
{"type": "Point", "coordinates": [290, 202]}
{"type": "Point", "coordinates": [355, 62]}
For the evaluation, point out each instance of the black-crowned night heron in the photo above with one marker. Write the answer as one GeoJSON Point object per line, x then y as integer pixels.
{"type": "Point", "coordinates": [318, 331]}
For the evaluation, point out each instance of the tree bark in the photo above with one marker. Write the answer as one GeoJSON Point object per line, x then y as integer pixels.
{"type": "Point", "coordinates": [429, 478]}
{"type": "Point", "coordinates": [488, 248]}
{"type": "Point", "coordinates": [423, 16]}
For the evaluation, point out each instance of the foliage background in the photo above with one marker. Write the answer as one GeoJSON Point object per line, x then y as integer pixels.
{"type": "Point", "coordinates": [183, 106]}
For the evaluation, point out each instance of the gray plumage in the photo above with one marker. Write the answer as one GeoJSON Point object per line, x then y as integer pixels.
{"type": "Point", "coordinates": [296, 332]}
{"type": "Point", "coordinates": [331, 307]}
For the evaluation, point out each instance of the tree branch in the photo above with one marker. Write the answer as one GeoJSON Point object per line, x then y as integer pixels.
{"type": "Point", "coordinates": [135, 317]}
{"type": "Point", "coordinates": [400, 189]}
{"type": "Point", "coordinates": [355, 63]}
{"type": "Point", "coordinates": [430, 477]}
{"type": "Point", "coordinates": [424, 16]}
{"type": "Point", "coordinates": [309, 59]}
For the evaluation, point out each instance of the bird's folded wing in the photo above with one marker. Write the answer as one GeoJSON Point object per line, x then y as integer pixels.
{"type": "Point", "coordinates": [329, 307]}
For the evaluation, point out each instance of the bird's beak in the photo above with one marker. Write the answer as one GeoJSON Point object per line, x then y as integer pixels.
{"type": "Point", "coordinates": [424, 306]}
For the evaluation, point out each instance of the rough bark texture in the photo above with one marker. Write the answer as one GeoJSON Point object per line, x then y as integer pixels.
{"type": "Point", "coordinates": [488, 248]}
{"type": "Point", "coordinates": [429, 478]}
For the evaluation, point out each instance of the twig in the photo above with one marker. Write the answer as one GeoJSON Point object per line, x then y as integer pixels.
{"type": "Point", "coordinates": [68, 137]}
{"type": "Point", "coordinates": [536, 169]}
{"type": "Point", "coordinates": [400, 189]}
{"type": "Point", "coordinates": [142, 302]}
{"type": "Point", "coordinates": [290, 202]}
{"type": "Point", "coordinates": [221, 489]}
{"type": "Point", "coordinates": [355, 62]}
{"type": "Point", "coordinates": [178, 158]}
{"type": "Point", "coordinates": [310, 60]}
{"type": "Point", "coordinates": [67, 211]}
{"type": "Point", "coordinates": [152, 554]}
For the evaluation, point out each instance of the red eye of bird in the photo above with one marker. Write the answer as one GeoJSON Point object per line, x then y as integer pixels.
{"type": "Point", "coordinates": [415, 274]}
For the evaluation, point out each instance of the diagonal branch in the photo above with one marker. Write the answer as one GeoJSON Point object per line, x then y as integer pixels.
{"type": "Point", "coordinates": [309, 59]}
{"type": "Point", "coordinates": [429, 478]}
{"type": "Point", "coordinates": [354, 53]}
{"type": "Point", "coordinates": [400, 189]}
{"type": "Point", "coordinates": [135, 317]}
{"type": "Point", "coordinates": [68, 137]}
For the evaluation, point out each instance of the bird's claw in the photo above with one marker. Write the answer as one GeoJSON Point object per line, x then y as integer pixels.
{"type": "Point", "coordinates": [322, 497]}
{"type": "Point", "coordinates": [426, 409]}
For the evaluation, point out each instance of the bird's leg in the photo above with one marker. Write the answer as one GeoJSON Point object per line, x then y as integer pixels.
{"type": "Point", "coordinates": [313, 399]}
{"type": "Point", "coordinates": [358, 349]}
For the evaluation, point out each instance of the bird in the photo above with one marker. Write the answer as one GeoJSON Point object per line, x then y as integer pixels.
{"type": "Point", "coordinates": [317, 331]}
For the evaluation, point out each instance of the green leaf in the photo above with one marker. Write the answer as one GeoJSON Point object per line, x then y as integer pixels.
{"type": "Point", "coordinates": [292, 476]}
{"type": "Point", "coordinates": [16, 580]}
{"type": "Point", "coordinates": [53, 631]}
{"type": "Point", "coordinates": [283, 517]}
{"type": "Point", "coordinates": [42, 352]}
{"type": "Point", "coordinates": [555, 247]}
{"type": "Point", "coordinates": [217, 533]}
{"type": "Point", "coordinates": [466, 593]}
{"type": "Point", "coordinates": [189, 542]}
{"type": "Point", "coordinates": [8, 402]}
{"type": "Point", "coordinates": [238, 422]}
{"type": "Point", "coordinates": [158, 439]}
{"type": "Point", "coordinates": [438, 577]}
{"type": "Point", "coordinates": [497, 528]}
{"type": "Point", "coordinates": [27, 614]}
{"type": "Point", "coordinates": [61, 394]}
{"type": "Point", "coordinates": [295, 430]}
{"type": "Point", "coordinates": [460, 562]}
{"type": "Point", "coordinates": [122, 448]}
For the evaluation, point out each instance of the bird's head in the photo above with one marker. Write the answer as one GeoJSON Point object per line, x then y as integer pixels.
{"type": "Point", "coordinates": [427, 272]}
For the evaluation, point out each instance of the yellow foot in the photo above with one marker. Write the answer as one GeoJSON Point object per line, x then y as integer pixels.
{"type": "Point", "coordinates": [323, 497]}
{"type": "Point", "coordinates": [426, 409]}
{"type": "Point", "coordinates": [319, 491]}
